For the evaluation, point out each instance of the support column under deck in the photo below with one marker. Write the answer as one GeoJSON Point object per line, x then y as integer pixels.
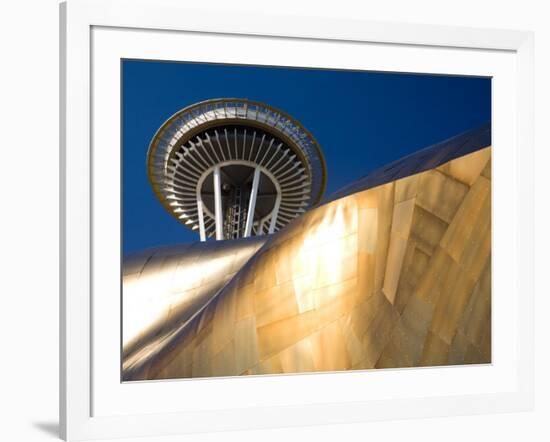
{"type": "Point", "coordinates": [202, 231]}
{"type": "Point", "coordinates": [274, 214]}
{"type": "Point", "coordinates": [252, 203]}
{"type": "Point", "coordinates": [218, 203]}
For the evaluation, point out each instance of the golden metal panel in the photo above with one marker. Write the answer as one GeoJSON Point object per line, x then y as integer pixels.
{"type": "Point", "coordinates": [368, 230]}
{"type": "Point", "coordinates": [485, 345]}
{"type": "Point", "coordinates": [406, 188]}
{"type": "Point", "coordinates": [283, 266]}
{"type": "Point", "coordinates": [327, 274]}
{"type": "Point", "coordinates": [404, 287]}
{"type": "Point", "coordinates": [224, 322]}
{"type": "Point", "coordinates": [398, 351]}
{"type": "Point", "coordinates": [417, 316]}
{"type": "Point", "coordinates": [457, 349]}
{"type": "Point", "coordinates": [427, 230]}
{"type": "Point", "coordinates": [450, 306]}
{"type": "Point", "coordinates": [275, 305]}
{"type": "Point", "coordinates": [403, 294]}
{"type": "Point", "coordinates": [473, 355]}
{"type": "Point", "coordinates": [468, 168]}
{"type": "Point", "coordinates": [332, 293]}
{"type": "Point", "coordinates": [174, 283]}
{"type": "Point", "coordinates": [486, 172]}
{"type": "Point", "coordinates": [396, 275]}
{"type": "Point", "coordinates": [368, 199]}
{"type": "Point", "coordinates": [366, 266]}
{"type": "Point", "coordinates": [269, 366]}
{"type": "Point", "coordinates": [408, 337]}
{"type": "Point", "coordinates": [385, 197]}
{"type": "Point", "coordinates": [245, 302]}
{"type": "Point", "coordinates": [436, 351]}
{"type": "Point", "coordinates": [336, 309]}
{"type": "Point", "coordinates": [440, 194]}
{"type": "Point", "coordinates": [202, 360]}
{"type": "Point", "coordinates": [457, 237]}
{"type": "Point", "coordinates": [476, 319]}
{"type": "Point", "coordinates": [440, 275]}
{"type": "Point", "coordinates": [298, 358]}
{"type": "Point", "coordinates": [378, 335]}
{"type": "Point", "coordinates": [402, 218]}
{"type": "Point", "coordinates": [245, 345]}
{"type": "Point", "coordinates": [417, 266]}
{"type": "Point", "coordinates": [396, 254]}
{"type": "Point", "coordinates": [478, 248]}
{"type": "Point", "coordinates": [274, 337]}
{"type": "Point", "coordinates": [224, 363]}
{"type": "Point", "coordinates": [354, 346]}
{"type": "Point", "coordinates": [329, 349]}
{"type": "Point", "coordinates": [303, 293]}
{"type": "Point", "coordinates": [361, 317]}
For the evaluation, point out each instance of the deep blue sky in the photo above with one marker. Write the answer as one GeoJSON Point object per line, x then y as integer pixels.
{"type": "Point", "coordinates": [362, 120]}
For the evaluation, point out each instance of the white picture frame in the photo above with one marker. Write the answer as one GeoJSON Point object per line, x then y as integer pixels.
{"type": "Point", "coordinates": [91, 405]}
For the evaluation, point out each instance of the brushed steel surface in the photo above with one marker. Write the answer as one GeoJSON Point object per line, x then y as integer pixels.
{"type": "Point", "coordinates": [395, 275]}
{"type": "Point", "coordinates": [164, 287]}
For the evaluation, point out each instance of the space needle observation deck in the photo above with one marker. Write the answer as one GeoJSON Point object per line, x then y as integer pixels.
{"type": "Point", "coordinates": [234, 168]}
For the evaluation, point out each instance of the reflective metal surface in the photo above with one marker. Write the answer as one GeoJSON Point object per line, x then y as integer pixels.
{"type": "Point", "coordinates": [420, 161]}
{"type": "Point", "coordinates": [165, 286]}
{"type": "Point", "coordinates": [396, 275]}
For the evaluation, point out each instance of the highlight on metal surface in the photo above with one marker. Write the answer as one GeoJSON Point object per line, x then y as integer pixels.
{"type": "Point", "coordinates": [392, 271]}
{"type": "Point", "coordinates": [233, 168]}
{"type": "Point", "coordinates": [165, 286]}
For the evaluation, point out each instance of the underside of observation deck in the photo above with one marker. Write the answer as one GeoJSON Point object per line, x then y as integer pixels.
{"type": "Point", "coordinates": [235, 168]}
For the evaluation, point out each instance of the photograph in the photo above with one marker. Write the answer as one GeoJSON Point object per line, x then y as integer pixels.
{"type": "Point", "coordinates": [285, 220]}
{"type": "Point", "coordinates": [267, 221]}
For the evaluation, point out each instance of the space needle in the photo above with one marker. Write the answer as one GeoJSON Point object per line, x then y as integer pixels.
{"type": "Point", "coordinates": [235, 168]}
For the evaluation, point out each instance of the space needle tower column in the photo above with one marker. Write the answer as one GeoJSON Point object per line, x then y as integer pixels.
{"type": "Point", "coordinates": [234, 168]}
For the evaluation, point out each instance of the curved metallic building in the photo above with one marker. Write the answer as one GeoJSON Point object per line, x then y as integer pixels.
{"type": "Point", "coordinates": [232, 168]}
{"type": "Point", "coordinates": [165, 286]}
{"type": "Point", "coordinates": [392, 271]}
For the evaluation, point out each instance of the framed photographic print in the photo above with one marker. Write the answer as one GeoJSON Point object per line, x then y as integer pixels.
{"type": "Point", "coordinates": [290, 222]}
